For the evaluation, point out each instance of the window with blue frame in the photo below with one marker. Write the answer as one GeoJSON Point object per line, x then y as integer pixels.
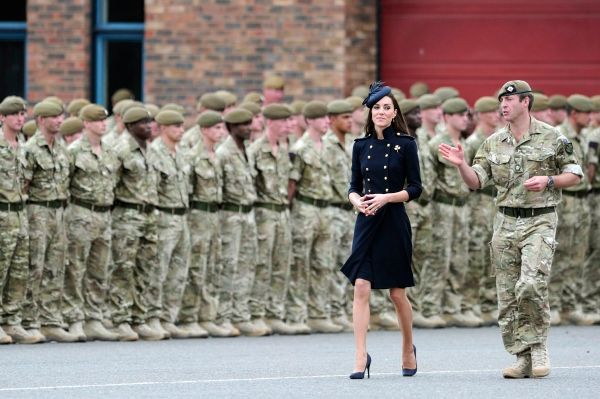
{"type": "Point", "coordinates": [118, 49]}
{"type": "Point", "coordinates": [13, 32]}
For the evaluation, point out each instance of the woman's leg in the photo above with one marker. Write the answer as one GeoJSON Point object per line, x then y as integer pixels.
{"type": "Point", "coordinates": [404, 314]}
{"type": "Point", "coordinates": [360, 318]}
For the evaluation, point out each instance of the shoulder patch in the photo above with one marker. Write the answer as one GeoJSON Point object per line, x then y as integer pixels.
{"type": "Point", "coordinates": [568, 145]}
{"type": "Point", "coordinates": [593, 145]}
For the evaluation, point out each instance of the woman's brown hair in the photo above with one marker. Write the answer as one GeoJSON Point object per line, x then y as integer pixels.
{"type": "Point", "coordinates": [398, 123]}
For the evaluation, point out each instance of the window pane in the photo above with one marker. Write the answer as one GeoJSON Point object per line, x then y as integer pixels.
{"type": "Point", "coordinates": [124, 68]}
{"type": "Point", "coordinates": [12, 68]}
{"type": "Point", "coordinates": [13, 11]}
{"type": "Point", "coordinates": [125, 11]}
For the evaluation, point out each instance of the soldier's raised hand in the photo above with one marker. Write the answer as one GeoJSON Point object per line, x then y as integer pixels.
{"type": "Point", "coordinates": [454, 155]}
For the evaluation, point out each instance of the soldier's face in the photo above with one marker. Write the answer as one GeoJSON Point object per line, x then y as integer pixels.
{"type": "Point", "coordinates": [491, 119]}
{"type": "Point", "coordinates": [558, 116]}
{"type": "Point", "coordinates": [432, 115]}
{"type": "Point", "coordinates": [319, 124]}
{"type": "Point", "coordinates": [341, 123]}
{"type": "Point", "coordinates": [73, 137]}
{"type": "Point", "coordinates": [51, 123]}
{"type": "Point", "coordinates": [273, 96]}
{"type": "Point", "coordinates": [279, 127]}
{"type": "Point", "coordinates": [14, 122]}
{"type": "Point", "coordinates": [241, 131]}
{"type": "Point", "coordinates": [383, 112]}
{"type": "Point", "coordinates": [413, 118]}
{"type": "Point", "coordinates": [141, 129]}
{"type": "Point", "coordinates": [358, 116]}
{"type": "Point", "coordinates": [544, 116]}
{"type": "Point", "coordinates": [512, 108]}
{"type": "Point", "coordinates": [300, 122]}
{"type": "Point", "coordinates": [173, 133]}
{"type": "Point", "coordinates": [95, 127]}
{"type": "Point", "coordinates": [582, 119]}
{"type": "Point", "coordinates": [258, 123]}
{"type": "Point", "coordinates": [458, 122]}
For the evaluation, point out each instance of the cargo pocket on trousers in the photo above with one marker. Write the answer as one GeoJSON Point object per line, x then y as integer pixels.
{"type": "Point", "coordinates": [546, 254]}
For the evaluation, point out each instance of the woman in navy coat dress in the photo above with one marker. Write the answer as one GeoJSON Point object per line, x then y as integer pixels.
{"type": "Point", "coordinates": [385, 174]}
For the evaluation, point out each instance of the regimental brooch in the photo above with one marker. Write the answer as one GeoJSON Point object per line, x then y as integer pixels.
{"type": "Point", "coordinates": [397, 148]}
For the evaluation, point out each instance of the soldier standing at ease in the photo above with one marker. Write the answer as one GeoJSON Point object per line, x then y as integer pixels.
{"type": "Point", "coordinates": [528, 162]}
{"type": "Point", "coordinates": [14, 232]}
{"type": "Point", "coordinates": [93, 179]}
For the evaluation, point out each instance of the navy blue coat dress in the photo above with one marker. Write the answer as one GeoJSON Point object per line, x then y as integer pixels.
{"type": "Point", "coordinates": [382, 244]}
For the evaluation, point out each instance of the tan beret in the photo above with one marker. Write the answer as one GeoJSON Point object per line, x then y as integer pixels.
{"type": "Point", "coordinates": [580, 103]}
{"type": "Point", "coordinates": [152, 108]}
{"type": "Point", "coordinates": [253, 97]}
{"type": "Point", "coordinates": [213, 102]}
{"type": "Point", "coordinates": [298, 106]}
{"type": "Point", "coordinates": [121, 94]}
{"type": "Point", "coordinates": [445, 93]}
{"type": "Point", "coordinates": [173, 107]}
{"type": "Point", "coordinates": [136, 114]}
{"type": "Point", "coordinates": [427, 101]}
{"type": "Point", "coordinates": [361, 91]}
{"type": "Point", "coordinates": [337, 107]}
{"type": "Point", "coordinates": [274, 82]}
{"type": "Point", "coordinates": [227, 96]}
{"type": "Point", "coordinates": [596, 103]}
{"type": "Point", "coordinates": [417, 89]}
{"type": "Point", "coordinates": [252, 107]}
{"type": "Point", "coordinates": [399, 94]}
{"type": "Point", "coordinates": [314, 110]}
{"type": "Point", "coordinates": [209, 118]}
{"type": "Point", "coordinates": [169, 117]}
{"type": "Point", "coordinates": [93, 112]}
{"type": "Point", "coordinates": [408, 105]}
{"type": "Point", "coordinates": [55, 100]}
{"type": "Point", "coordinates": [76, 105]}
{"type": "Point", "coordinates": [514, 87]}
{"type": "Point", "coordinates": [455, 106]}
{"type": "Point", "coordinates": [118, 108]}
{"type": "Point", "coordinates": [557, 101]}
{"type": "Point", "coordinates": [238, 116]}
{"type": "Point", "coordinates": [47, 109]}
{"type": "Point", "coordinates": [355, 102]}
{"type": "Point", "coordinates": [29, 128]}
{"type": "Point", "coordinates": [12, 105]}
{"type": "Point", "coordinates": [128, 105]}
{"type": "Point", "coordinates": [486, 104]}
{"type": "Point", "coordinates": [70, 126]}
{"type": "Point", "coordinates": [277, 111]}
{"type": "Point", "coordinates": [540, 102]}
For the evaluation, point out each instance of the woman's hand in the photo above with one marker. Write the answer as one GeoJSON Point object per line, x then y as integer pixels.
{"type": "Point", "coordinates": [374, 202]}
{"type": "Point", "coordinates": [358, 202]}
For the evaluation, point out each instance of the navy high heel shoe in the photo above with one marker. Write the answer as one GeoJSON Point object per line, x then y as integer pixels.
{"type": "Point", "coordinates": [359, 375]}
{"type": "Point", "coordinates": [410, 372]}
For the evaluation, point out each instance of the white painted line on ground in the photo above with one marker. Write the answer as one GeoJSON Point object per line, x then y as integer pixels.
{"type": "Point", "coordinates": [227, 380]}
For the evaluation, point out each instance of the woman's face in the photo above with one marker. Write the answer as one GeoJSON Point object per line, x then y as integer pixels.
{"type": "Point", "coordinates": [383, 112]}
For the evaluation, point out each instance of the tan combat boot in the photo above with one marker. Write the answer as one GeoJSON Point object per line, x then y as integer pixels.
{"type": "Point", "coordinates": [521, 368]}
{"type": "Point", "coordinates": [95, 330]}
{"type": "Point", "coordinates": [301, 328]}
{"type": "Point", "coordinates": [540, 363]}
{"type": "Point", "coordinates": [193, 330]}
{"type": "Point", "coordinates": [148, 334]}
{"type": "Point", "coordinates": [20, 336]}
{"type": "Point", "coordinates": [58, 334]}
{"type": "Point", "coordinates": [250, 330]}
{"type": "Point", "coordinates": [344, 322]}
{"type": "Point", "coordinates": [434, 321]}
{"type": "Point", "coordinates": [156, 325]}
{"type": "Point", "coordinates": [35, 332]}
{"type": "Point", "coordinates": [76, 329]}
{"type": "Point", "coordinates": [218, 331]}
{"type": "Point", "coordinates": [125, 333]}
{"type": "Point", "coordinates": [324, 326]}
{"type": "Point", "coordinates": [279, 327]}
{"type": "Point", "coordinates": [5, 338]}
{"type": "Point", "coordinates": [490, 318]}
{"type": "Point", "coordinates": [233, 330]}
{"type": "Point", "coordinates": [383, 321]}
{"type": "Point", "coordinates": [579, 318]}
{"type": "Point", "coordinates": [555, 318]}
{"type": "Point", "coordinates": [260, 323]}
{"type": "Point", "coordinates": [174, 331]}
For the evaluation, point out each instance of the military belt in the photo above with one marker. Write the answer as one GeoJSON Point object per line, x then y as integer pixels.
{"type": "Point", "coordinates": [143, 208]}
{"type": "Point", "coordinates": [55, 204]}
{"type": "Point", "coordinates": [489, 191]}
{"type": "Point", "coordinates": [11, 206]}
{"type": "Point", "coordinates": [236, 208]}
{"type": "Point", "coordinates": [344, 205]}
{"type": "Point", "coordinates": [525, 212]}
{"type": "Point", "coordinates": [449, 200]}
{"type": "Point", "coordinates": [172, 211]}
{"type": "Point", "coordinates": [594, 190]}
{"type": "Point", "coordinates": [313, 201]}
{"type": "Point", "coordinates": [577, 194]}
{"type": "Point", "coordinates": [422, 202]}
{"type": "Point", "coordinates": [204, 206]}
{"type": "Point", "coordinates": [273, 207]}
{"type": "Point", "coordinates": [90, 206]}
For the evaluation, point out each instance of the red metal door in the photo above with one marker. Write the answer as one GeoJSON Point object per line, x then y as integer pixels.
{"type": "Point", "coordinates": [476, 45]}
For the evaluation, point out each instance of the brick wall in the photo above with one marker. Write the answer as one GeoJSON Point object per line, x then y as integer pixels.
{"type": "Point", "coordinates": [361, 43]}
{"type": "Point", "coordinates": [58, 49]}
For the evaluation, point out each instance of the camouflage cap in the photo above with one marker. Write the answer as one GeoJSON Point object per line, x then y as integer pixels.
{"type": "Point", "coordinates": [298, 106]}
{"type": "Point", "coordinates": [209, 118]}
{"type": "Point", "coordinates": [274, 82]}
{"type": "Point", "coordinates": [238, 116]}
{"type": "Point", "coordinates": [557, 101]}
{"type": "Point", "coordinates": [93, 112]}
{"type": "Point", "coordinates": [580, 103]}
{"type": "Point", "coordinates": [596, 103]}
{"type": "Point", "coordinates": [169, 117]}
{"type": "Point", "coordinates": [47, 109]}
{"type": "Point", "coordinates": [355, 102]}
{"type": "Point", "coordinates": [76, 105]}
{"type": "Point", "coordinates": [408, 105]}
{"type": "Point", "coordinates": [540, 102]}
{"type": "Point", "coordinates": [314, 110]}
{"type": "Point", "coordinates": [12, 105]}
{"type": "Point", "coordinates": [427, 101]}
{"type": "Point", "coordinates": [417, 89]}
{"type": "Point", "coordinates": [446, 92]}
{"type": "Point", "coordinates": [136, 114]}
{"type": "Point", "coordinates": [360, 91]}
{"type": "Point", "coordinates": [173, 107]}
{"type": "Point", "coordinates": [227, 96]}
{"type": "Point", "coordinates": [253, 97]}
{"type": "Point", "coordinates": [455, 106]}
{"type": "Point", "coordinates": [212, 101]}
{"type": "Point", "coordinates": [152, 108]}
{"type": "Point", "coordinates": [121, 94]}
{"type": "Point", "coordinates": [70, 126]}
{"type": "Point", "coordinates": [337, 107]}
{"type": "Point", "coordinates": [252, 107]}
{"type": "Point", "coordinates": [277, 111]}
{"type": "Point", "coordinates": [118, 108]}
{"type": "Point", "coordinates": [29, 128]}
{"type": "Point", "coordinates": [514, 87]}
{"type": "Point", "coordinates": [486, 104]}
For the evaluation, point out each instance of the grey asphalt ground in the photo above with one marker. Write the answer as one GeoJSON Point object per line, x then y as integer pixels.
{"type": "Point", "coordinates": [453, 363]}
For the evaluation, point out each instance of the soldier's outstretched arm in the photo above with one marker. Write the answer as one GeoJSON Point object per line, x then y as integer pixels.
{"type": "Point", "coordinates": [456, 156]}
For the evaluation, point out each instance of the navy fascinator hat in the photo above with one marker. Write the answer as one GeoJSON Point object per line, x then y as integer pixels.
{"type": "Point", "coordinates": [377, 91]}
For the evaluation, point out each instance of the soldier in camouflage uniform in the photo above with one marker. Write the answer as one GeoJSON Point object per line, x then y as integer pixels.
{"type": "Point", "coordinates": [14, 232]}
{"type": "Point", "coordinates": [207, 102]}
{"type": "Point", "coordinates": [47, 173]}
{"type": "Point", "coordinates": [173, 231]}
{"type": "Point", "coordinates": [134, 282]}
{"type": "Point", "coordinates": [574, 225]}
{"type": "Point", "coordinates": [238, 226]}
{"type": "Point", "coordinates": [480, 287]}
{"type": "Point", "coordinates": [201, 295]}
{"type": "Point", "coordinates": [312, 238]}
{"type": "Point", "coordinates": [528, 162]}
{"type": "Point", "coordinates": [93, 167]}
{"type": "Point", "coordinates": [272, 165]}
